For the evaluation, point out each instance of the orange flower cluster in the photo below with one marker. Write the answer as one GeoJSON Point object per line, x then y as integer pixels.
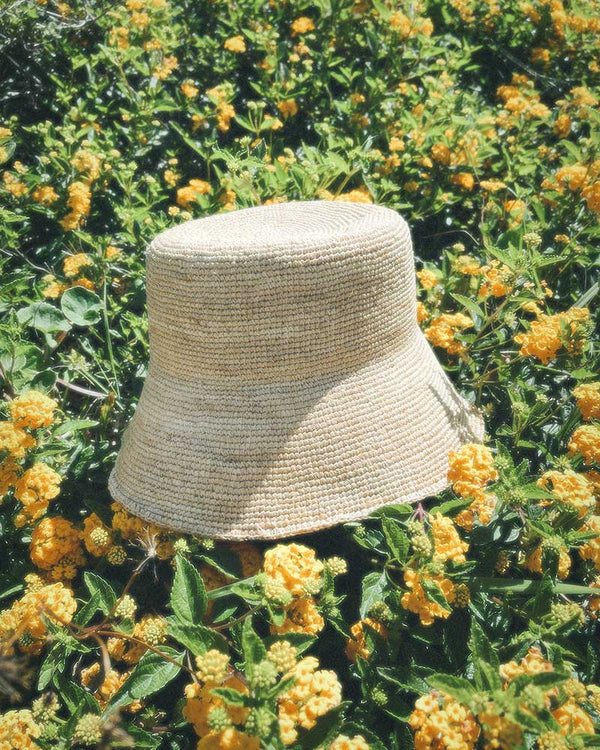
{"type": "Point", "coordinates": [471, 467]}
{"type": "Point", "coordinates": [588, 400]}
{"type": "Point", "coordinates": [550, 333]}
{"type": "Point", "coordinates": [415, 600]}
{"type": "Point", "coordinates": [586, 441]}
{"type": "Point", "coordinates": [442, 331]}
{"type": "Point", "coordinates": [56, 547]}
{"type": "Point", "coordinates": [314, 693]}
{"type": "Point", "coordinates": [570, 488]}
{"type": "Point", "coordinates": [26, 616]}
{"type": "Point", "coordinates": [439, 721]}
{"type": "Point", "coordinates": [520, 101]}
{"type": "Point", "coordinates": [356, 645]}
{"type": "Point", "coordinates": [447, 543]}
{"type": "Point", "coordinates": [578, 177]}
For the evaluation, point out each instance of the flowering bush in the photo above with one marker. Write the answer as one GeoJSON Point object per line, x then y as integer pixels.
{"type": "Point", "coordinates": [467, 621]}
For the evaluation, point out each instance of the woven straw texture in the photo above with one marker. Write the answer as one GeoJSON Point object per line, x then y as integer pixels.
{"type": "Point", "coordinates": [289, 386]}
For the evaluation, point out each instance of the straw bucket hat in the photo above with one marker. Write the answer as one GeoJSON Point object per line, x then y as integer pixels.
{"type": "Point", "coordinates": [289, 386]}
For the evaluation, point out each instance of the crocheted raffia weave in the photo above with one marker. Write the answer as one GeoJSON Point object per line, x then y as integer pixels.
{"type": "Point", "coordinates": [289, 386]}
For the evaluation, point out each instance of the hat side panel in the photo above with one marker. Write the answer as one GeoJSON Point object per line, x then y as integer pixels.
{"type": "Point", "coordinates": [282, 317]}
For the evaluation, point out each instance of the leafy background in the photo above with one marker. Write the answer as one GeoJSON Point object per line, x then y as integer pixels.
{"type": "Point", "coordinates": [478, 121]}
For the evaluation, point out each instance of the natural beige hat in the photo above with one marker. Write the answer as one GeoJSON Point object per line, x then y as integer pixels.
{"type": "Point", "coordinates": [289, 385]}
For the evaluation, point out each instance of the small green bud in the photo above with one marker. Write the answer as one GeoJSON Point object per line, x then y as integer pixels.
{"type": "Point", "coordinates": [534, 698]}
{"type": "Point", "coordinates": [116, 555]}
{"type": "Point", "coordinates": [88, 731]}
{"type": "Point", "coordinates": [218, 719]}
{"type": "Point", "coordinates": [263, 674]}
{"type": "Point", "coordinates": [379, 696]}
{"type": "Point", "coordinates": [181, 547]}
{"type": "Point", "coordinates": [381, 612]}
{"type": "Point", "coordinates": [422, 545]}
{"type": "Point", "coordinates": [45, 707]}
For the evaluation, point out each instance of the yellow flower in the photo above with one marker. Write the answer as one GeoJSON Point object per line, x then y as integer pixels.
{"type": "Point", "coordinates": [562, 126]}
{"type": "Point", "coordinates": [549, 333]}
{"type": "Point", "coordinates": [235, 44]}
{"type": "Point", "coordinates": [356, 645]}
{"type": "Point", "coordinates": [18, 729]}
{"type": "Point", "coordinates": [591, 549]}
{"type": "Point", "coordinates": [73, 264]}
{"type": "Point", "coordinates": [190, 91]}
{"type": "Point", "coordinates": [343, 742]}
{"type": "Point", "coordinates": [441, 722]}
{"type": "Point", "coordinates": [52, 539]}
{"type": "Point", "coordinates": [591, 193]}
{"type": "Point", "coordinates": [570, 488]}
{"type": "Point", "coordinates": [573, 719]}
{"type": "Point", "coordinates": [441, 153]}
{"type": "Point", "coordinates": [14, 440]}
{"type": "Point", "coordinates": [166, 67]}
{"type": "Point", "coordinates": [498, 280]}
{"type": "Point", "coordinates": [302, 25]}
{"type": "Point", "coordinates": [492, 185]}
{"type": "Point", "coordinates": [441, 331]}
{"type": "Point", "coordinates": [287, 108]}
{"type": "Point", "coordinates": [87, 163]}
{"type": "Point", "coordinates": [200, 701]}
{"type": "Point", "coordinates": [428, 278]}
{"type": "Point", "coordinates": [447, 543]}
{"type": "Point", "coordinates": [301, 616]}
{"type": "Point", "coordinates": [26, 614]}
{"type": "Point", "coordinates": [34, 489]}
{"type": "Point", "coordinates": [467, 265]}
{"type": "Point", "coordinates": [294, 565]}
{"type": "Point", "coordinates": [212, 666]}
{"type": "Point", "coordinates": [534, 562]}
{"type": "Point", "coordinates": [44, 194]}
{"type": "Point", "coordinates": [228, 739]}
{"type": "Point", "coordinates": [415, 600]}
{"type": "Point", "coordinates": [314, 693]}
{"type": "Point", "coordinates": [96, 536]}
{"type": "Point", "coordinates": [586, 441]}
{"type": "Point", "coordinates": [79, 202]}
{"type": "Point", "coordinates": [32, 409]}
{"type": "Point", "coordinates": [193, 190]}
{"type": "Point", "coordinates": [532, 663]}
{"type": "Point", "coordinates": [588, 400]}
{"type": "Point", "coordinates": [471, 467]}
{"type": "Point", "coordinates": [464, 180]}
{"type": "Point", "coordinates": [14, 185]}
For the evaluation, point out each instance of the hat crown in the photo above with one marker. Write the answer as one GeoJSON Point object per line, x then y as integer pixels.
{"type": "Point", "coordinates": [280, 292]}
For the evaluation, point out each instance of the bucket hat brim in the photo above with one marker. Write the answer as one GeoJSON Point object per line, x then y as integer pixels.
{"type": "Point", "coordinates": [265, 461]}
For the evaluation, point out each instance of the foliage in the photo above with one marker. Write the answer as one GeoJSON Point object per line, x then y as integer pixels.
{"type": "Point", "coordinates": [469, 620]}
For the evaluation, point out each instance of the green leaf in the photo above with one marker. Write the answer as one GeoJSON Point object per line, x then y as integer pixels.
{"type": "Point", "coordinates": [188, 595]}
{"type": "Point", "coordinates": [253, 648]}
{"type": "Point", "coordinates": [43, 317]}
{"type": "Point", "coordinates": [458, 687]}
{"type": "Point", "coordinates": [81, 306]}
{"type": "Point", "coordinates": [231, 697]}
{"type": "Point", "coordinates": [151, 674]}
{"type": "Point", "coordinates": [74, 695]}
{"type": "Point", "coordinates": [396, 539]}
{"type": "Point", "coordinates": [475, 310]}
{"type": "Point", "coordinates": [73, 425]}
{"type": "Point", "coordinates": [101, 591]}
{"type": "Point", "coordinates": [485, 659]}
{"type": "Point", "coordinates": [434, 593]}
{"type": "Point", "coordinates": [374, 588]}
{"type": "Point", "coordinates": [54, 662]}
{"type": "Point", "coordinates": [325, 730]}
{"type": "Point", "coordinates": [196, 637]}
